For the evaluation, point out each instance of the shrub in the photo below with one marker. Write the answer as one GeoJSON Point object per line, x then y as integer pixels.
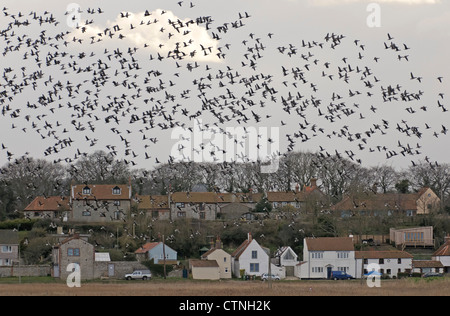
{"type": "Point", "coordinates": [157, 269]}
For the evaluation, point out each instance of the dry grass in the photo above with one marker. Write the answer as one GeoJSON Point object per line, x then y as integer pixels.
{"type": "Point", "coordinates": [411, 287]}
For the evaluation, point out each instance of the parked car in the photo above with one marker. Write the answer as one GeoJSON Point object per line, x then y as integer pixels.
{"type": "Point", "coordinates": [431, 274]}
{"type": "Point", "coordinates": [340, 275]}
{"type": "Point", "coordinates": [139, 275]}
{"type": "Point", "coordinates": [265, 277]}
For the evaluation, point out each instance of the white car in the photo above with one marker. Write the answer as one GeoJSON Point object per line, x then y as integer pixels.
{"type": "Point", "coordinates": [265, 277]}
{"type": "Point", "coordinates": [139, 275]}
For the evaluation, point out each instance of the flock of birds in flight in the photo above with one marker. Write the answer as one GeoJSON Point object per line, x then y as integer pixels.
{"type": "Point", "coordinates": [75, 85]}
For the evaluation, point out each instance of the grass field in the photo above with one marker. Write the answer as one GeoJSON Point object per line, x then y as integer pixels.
{"type": "Point", "coordinates": [404, 287]}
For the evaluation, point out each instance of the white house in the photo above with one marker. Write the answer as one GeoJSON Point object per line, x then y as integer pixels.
{"type": "Point", "coordinates": [388, 263]}
{"type": "Point", "coordinates": [286, 257]}
{"type": "Point", "coordinates": [321, 256]}
{"type": "Point", "coordinates": [253, 259]}
{"type": "Point", "coordinates": [443, 255]}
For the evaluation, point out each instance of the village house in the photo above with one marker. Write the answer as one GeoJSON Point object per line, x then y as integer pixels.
{"type": "Point", "coordinates": [155, 251]}
{"type": "Point", "coordinates": [252, 259]}
{"type": "Point", "coordinates": [309, 197]}
{"type": "Point", "coordinates": [153, 206]}
{"type": "Point", "coordinates": [286, 257]}
{"type": "Point", "coordinates": [442, 254]}
{"type": "Point", "coordinates": [52, 207]}
{"type": "Point", "coordinates": [390, 263]}
{"type": "Point", "coordinates": [427, 266]}
{"type": "Point", "coordinates": [100, 203]}
{"type": "Point", "coordinates": [222, 258]}
{"type": "Point", "coordinates": [375, 204]}
{"type": "Point", "coordinates": [323, 255]}
{"type": "Point", "coordinates": [208, 205]}
{"type": "Point", "coordinates": [74, 250]}
{"type": "Point", "coordinates": [9, 247]}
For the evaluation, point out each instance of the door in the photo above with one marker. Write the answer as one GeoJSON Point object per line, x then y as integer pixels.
{"type": "Point", "coordinates": [111, 270]}
{"type": "Point", "coordinates": [329, 269]}
{"type": "Point", "coordinates": [56, 271]}
{"type": "Point", "coordinates": [290, 271]}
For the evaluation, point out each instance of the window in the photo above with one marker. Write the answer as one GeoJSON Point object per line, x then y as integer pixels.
{"type": "Point", "coordinates": [117, 191]}
{"type": "Point", "coordinates": [399, 261]}
{"type": "Point", "coordinates": [317, 270]}
{"type": "Point", "coordinates": [254, 267]}
{"type": "Point", "coordinates": [181, 214]}
{"type": "Point", "coordinates": [116, 203]}
{"type": "Point", "coordinates": [381, 261]}
{"type": "Point", "coordinates": [224, 259]}
{"type": "Point", "coordinates": [254, 254]}
{"type": "Point", "coordinates": [342, 255]}
{"type": "Point", "coordinates": [86, 190]}
{"type": "Point", "coordinates": [86, 213]}
{"type": "Point", "coordinates": [6, 249]}
{"type": "Point", "coordinates": [317, 255]}
{"type": "Point", "coordinates": [73, 252]}
{"type": "Point", "coordinates": [202, 215]}
{"type": "Point", "coordinates": [36, 214]}
{"type": "Point", "coordinates": [179, 205]}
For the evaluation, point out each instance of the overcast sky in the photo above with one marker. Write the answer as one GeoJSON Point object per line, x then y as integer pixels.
{"type": "Point", "coordinates": [310, 29]}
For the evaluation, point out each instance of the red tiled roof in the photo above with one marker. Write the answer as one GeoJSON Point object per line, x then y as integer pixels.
{"type": "Point", "coordinates": [427, 264]}
{"type": "Point", "coordinates": [147, 247]}
{"type": "Point", "coordinates": [443, 250]}
{"type": "Point", "coordinates": [101, 192]}
{"type": "Point", "coordinates": [148, 202]}
{"type": "Point", "coordinates": [239, 250]}
{"type": "Point", "coordinates": [52, 203]}
{"type": "Point", "coordinates": [330, 244]}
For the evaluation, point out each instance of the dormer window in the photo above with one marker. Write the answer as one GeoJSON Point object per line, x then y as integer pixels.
{"type": "Point", "coordinates": [117, 191]}
{"type": "Point", "coordinates": [86, 190]}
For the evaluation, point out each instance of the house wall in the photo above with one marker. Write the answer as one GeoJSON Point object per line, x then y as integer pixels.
{"type": "Point", "coordinates": [245, 260]}
{"type": "Point", "coordinates": [389, 264]}
{"type": "Point", "coordinates": [100, 211]}
{"type": "Point", "coordinates": [206, 273]}
{"type": "Point", "coordinates": [445, 260]}
{"type": "Point", "coordinates": [9, 256]}
{"type": "Point", "coordinates": [428, 203]}
{"type": "Point", "coordinates": [157, 254]}
{"type": "Point", "coordinates": [85, 259]}
{"type": "Point", "coordinates": [317, 268]}
{"type": "Point", "coordinates": [224, 261]}
{"type": "Point", "coordinates": [193, 211]}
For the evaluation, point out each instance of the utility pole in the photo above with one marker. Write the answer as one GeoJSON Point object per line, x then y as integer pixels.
{"type": "Point", "coordinates": [270, 272]}
{"type": "Point", "coordinates": [164, 255]}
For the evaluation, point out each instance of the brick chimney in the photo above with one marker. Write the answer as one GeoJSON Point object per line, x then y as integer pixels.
{"type": "Point", "coordinates": [218, 243]}
{"type": "Point", "coordinates": [249, 237]}
{"type": "Point", "coordinates": [314, 183]}
{"type": "Point", "coordinates": [297, 188]}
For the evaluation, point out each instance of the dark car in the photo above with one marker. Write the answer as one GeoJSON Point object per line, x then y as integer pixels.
{"type": "Point", "coordinates": [340, 275]}
{"type": "Point", "coordinates": [431, 274]}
